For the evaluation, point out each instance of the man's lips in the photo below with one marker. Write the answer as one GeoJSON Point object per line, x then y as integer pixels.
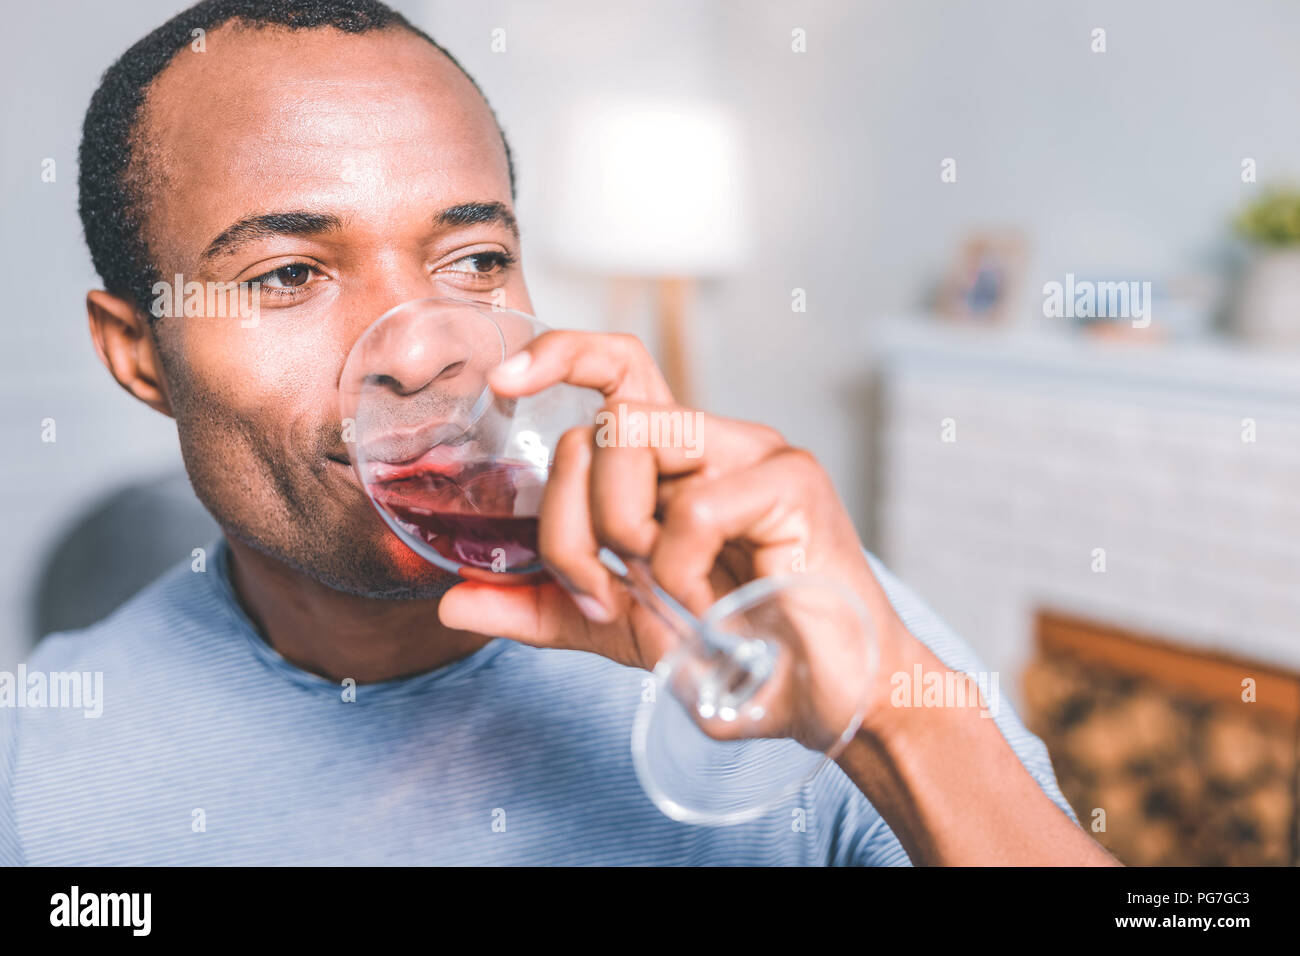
{"type": "Point", "coordinates": [435, 466]}
{"type": "Point", "coordinates": [443, 460]}
{"type": "Point", "coordinates": [396, 444]}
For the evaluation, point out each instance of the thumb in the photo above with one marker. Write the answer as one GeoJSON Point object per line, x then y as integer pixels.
{"type": "Point", "coordinates": [536, 614]}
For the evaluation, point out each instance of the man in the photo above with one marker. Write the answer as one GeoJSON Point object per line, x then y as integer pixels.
{"type": "Point", "coordinates": [313, 693]}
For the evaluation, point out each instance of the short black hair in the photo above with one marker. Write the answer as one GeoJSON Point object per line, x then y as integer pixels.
{"type": "Point", "coordinates": [112, 197]}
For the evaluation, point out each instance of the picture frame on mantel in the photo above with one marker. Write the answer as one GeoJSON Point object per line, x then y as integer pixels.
{"type": "Point", "coordinates": [984, 280]}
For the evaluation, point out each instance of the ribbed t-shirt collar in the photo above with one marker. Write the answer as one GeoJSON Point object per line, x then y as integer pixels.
{"type": "Point", "coordinates": [219, 576]}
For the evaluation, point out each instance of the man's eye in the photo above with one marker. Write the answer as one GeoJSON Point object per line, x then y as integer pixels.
{"type": "Point", "coordinates": [482, 262]}
{"type": "Point", "coordinates": [286, 277]}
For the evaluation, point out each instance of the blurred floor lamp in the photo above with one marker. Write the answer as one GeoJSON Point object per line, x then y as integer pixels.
{"type": "Point", "coordinates": [652, 191]}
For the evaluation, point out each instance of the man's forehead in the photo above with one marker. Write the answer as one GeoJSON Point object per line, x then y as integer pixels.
{"type": "Point", "coordinates": [238, 60]}
{"type": "Point", "coordinates": [316, 115]}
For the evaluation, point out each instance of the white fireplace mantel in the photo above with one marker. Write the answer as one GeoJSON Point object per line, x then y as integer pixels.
{"type": "Point", "coordinates": [1175, 467]}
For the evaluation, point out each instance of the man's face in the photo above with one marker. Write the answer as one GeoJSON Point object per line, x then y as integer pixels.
{"type": "Point", "coordinates": [373, 136]}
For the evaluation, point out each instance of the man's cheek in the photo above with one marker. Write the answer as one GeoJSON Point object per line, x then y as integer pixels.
{"type": "Point", "coordinates": [279, 352]}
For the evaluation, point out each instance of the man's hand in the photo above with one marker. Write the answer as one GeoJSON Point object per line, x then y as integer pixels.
{"type": "Point", "coordinates": [738, 504]}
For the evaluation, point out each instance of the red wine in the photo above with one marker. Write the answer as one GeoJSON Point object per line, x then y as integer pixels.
{"type": "Point", "coordinates": [468, 515]}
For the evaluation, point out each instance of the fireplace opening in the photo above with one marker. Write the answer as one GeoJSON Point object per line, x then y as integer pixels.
{"type": "Point", "coordinates": [1170, 756]}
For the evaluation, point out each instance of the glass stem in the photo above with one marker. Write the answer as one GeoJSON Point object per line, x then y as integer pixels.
{"type": "Point", "coordinates": [635, 574]}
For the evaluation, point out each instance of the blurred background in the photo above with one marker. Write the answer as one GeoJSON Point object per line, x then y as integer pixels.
{"type": "Point", "coordinates": [878, 227]}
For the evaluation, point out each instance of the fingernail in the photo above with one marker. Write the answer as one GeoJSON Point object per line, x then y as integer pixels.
{"type": "Point", "coordinates": [514, 366]}
{"type": "Point", "coordinates": [592, 609]}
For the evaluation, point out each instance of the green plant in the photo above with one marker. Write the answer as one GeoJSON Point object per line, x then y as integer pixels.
{"type": "Point", "coordinates": [1273, 219]}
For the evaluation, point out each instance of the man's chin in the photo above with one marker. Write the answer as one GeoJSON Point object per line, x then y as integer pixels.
{"type": "Point", "coordinates": [430, 590]}
{"type": "Point", "coordinates": [385, 570]}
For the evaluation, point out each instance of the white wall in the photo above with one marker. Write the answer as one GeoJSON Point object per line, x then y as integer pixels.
{"type": "Point", "coordinates": [51, 56]}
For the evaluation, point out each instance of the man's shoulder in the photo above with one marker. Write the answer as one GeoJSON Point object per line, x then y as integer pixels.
{"type": "Point", "coordinates": [166, 614]}
{"type": "Point", "coordinates": [134, 661]}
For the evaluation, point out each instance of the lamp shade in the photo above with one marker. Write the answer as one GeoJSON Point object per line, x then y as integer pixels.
{"type": "Point", "coordinates": [650, 189]}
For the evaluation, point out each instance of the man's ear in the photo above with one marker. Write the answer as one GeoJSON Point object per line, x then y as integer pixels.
{"type": "Point", "coordinates": [126, 347]}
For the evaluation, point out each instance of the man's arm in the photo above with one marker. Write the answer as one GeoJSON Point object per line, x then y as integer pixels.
{"type": "Point", "coordinates": [955, 794]}
{"type": "Point", "coordinates": [945, 779]}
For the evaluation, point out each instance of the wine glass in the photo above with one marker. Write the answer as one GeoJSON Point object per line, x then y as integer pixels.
{"type": "Point", "coordinates": [726, 730]}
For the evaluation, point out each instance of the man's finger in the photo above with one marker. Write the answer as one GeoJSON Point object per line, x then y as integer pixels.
{"type": "Point", "coordinates": [538, 614]}
{"type": "Point", "coordinates": [618, 366]}
{"type": "Point", "coordinates": [764, 506]}
{"type": "Point", "coordinates": [627, 471]}
{"type": "Point", "coordinates": [565, 538]}
{"type": "Point", "coordinates": [543, 615]}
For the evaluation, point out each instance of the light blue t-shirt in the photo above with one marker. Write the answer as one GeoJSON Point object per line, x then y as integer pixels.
{"type": "Point", "coordinates": [212, 749]}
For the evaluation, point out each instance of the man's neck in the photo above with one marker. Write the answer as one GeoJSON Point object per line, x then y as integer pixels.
{"type": "Point", "coordinates": [337, 635]}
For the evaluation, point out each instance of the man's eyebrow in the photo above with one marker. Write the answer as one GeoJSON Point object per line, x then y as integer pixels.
{"type": "Point", "coordinates": [268, 225]}
{"type": "Point", "coordinates": [474, 213]}
{"type": "Point", "coordinates": [271, 224]}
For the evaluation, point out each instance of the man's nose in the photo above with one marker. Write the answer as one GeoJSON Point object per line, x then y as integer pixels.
{"type": "Point", "coordinates": [416, 362]}
{"type": "Point", "coordinates": [422, 341]}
